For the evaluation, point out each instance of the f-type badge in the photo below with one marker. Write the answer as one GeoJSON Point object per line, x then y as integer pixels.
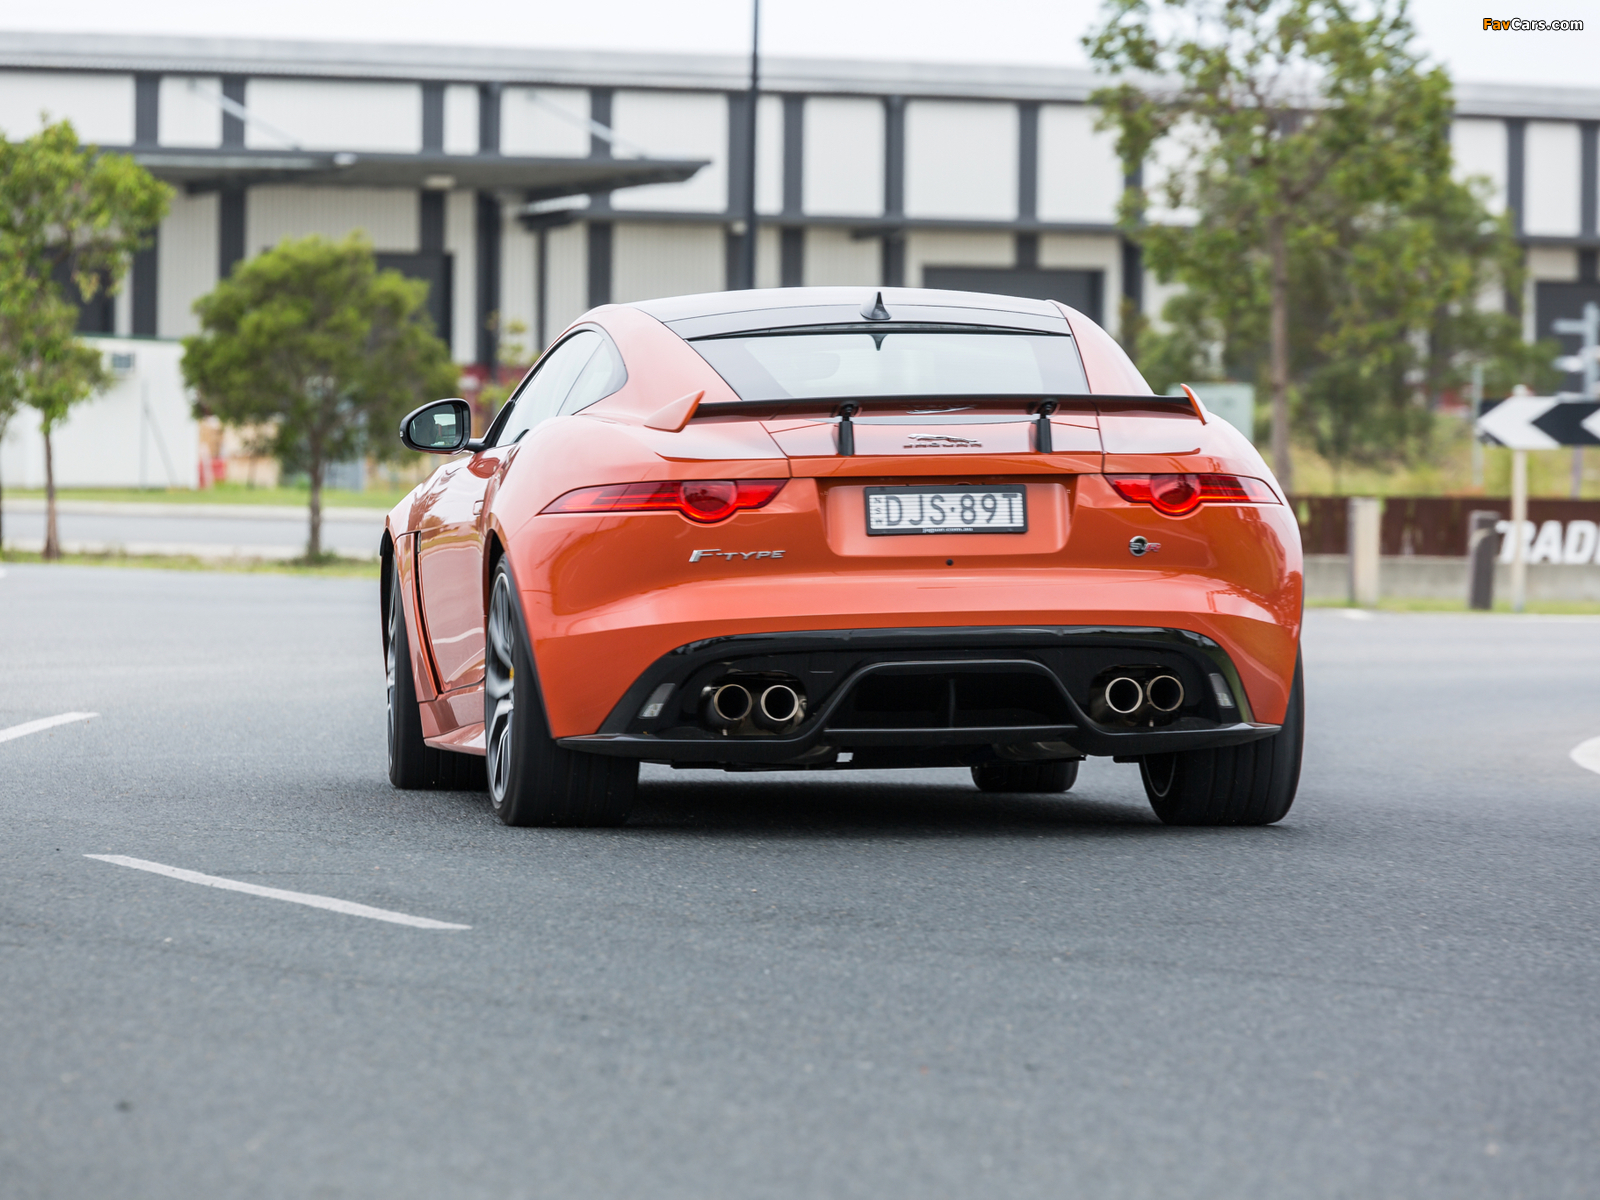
{"type": "Point", "coordinates": [730, 555]}
{"type": "Point", "coordinates": [1139, 547]}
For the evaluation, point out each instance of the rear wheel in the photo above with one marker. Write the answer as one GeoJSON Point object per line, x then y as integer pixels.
{"type": "Point", "coordinates": [1252, 784]}
{"type": "Point", "coordinates": [412, 762]}
{"type": "Point", "coordinates": [533, 781]}
{"type": "Point", "coordinates": [1026, 777]}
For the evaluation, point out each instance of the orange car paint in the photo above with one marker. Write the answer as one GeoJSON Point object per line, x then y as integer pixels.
{"type": "Point", "coordinates": [604, 596]}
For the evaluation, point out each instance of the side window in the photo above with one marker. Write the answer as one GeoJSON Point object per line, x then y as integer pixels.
{"type": "Point", "coordinates": [602, 375]}
{"type": "Point", "coordinates": [541, 398]}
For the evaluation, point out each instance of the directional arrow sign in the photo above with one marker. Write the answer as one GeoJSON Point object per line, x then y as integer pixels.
{"type": "Point", "coordinates": [1542, 423]}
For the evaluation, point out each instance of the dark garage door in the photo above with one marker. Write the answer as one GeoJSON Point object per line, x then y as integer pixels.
{"type": "Point", "coordinates": [434, 270]}
{"type": "Point", "coordinates": [1082, 290]}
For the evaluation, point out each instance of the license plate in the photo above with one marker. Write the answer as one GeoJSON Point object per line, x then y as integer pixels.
{"type": "Point", "coordinates": [946, 510]}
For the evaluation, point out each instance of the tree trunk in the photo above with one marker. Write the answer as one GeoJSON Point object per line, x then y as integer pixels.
{"type": "Point", "coordinates": [314, 542]}
{"type": "Point", "coordinates": [52, 544]}
{"type": "Point", "coordinates": [1278, 248]}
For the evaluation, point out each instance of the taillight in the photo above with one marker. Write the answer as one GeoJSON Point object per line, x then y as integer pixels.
{"type": "Point", "coordinates": [1175, 495]}
{"type": "Point", "coordinates": [703, 500]}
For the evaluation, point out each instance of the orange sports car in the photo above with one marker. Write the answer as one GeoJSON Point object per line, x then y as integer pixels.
{"type": "Point", "coordinates": [825, 529]}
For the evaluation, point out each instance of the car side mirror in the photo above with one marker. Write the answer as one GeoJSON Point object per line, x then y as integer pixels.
{"type": "Point", "coordinates": [443, 427]}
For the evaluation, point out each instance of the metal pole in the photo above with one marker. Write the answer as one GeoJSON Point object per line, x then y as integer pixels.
{"type": "Point", "coordinates": [1591, 382]}
{"type": "Point", "coordinates": [541, 291]}
{"type": "Point", "coordinates": [1519, 524]}
{"type": "Point", "coordinates": [1477, 411]}
{"type": "Point", "coordinates": [747, 249]}
{"type": "Point", "coordinates": [144, 436]}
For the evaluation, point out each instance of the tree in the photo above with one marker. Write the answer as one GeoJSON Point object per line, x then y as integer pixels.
{"type": "Point", "coordinates": [44, 365]}
{"type": "Point", "coordinates": [67, 212]}
{"type": "Point", "coordinates": [1295, 123]}
{"type": "Point", "coordinates": [13, 293]}
{"type": "Point", "coordinates": [311, 342]}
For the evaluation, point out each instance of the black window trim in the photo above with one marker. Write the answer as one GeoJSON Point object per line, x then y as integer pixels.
{"type": "Point", "coordinates": [501, 417]}
{"type": "Point", "coordinates": [877, 328]}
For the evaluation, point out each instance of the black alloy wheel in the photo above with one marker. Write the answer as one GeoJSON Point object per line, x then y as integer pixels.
{"type": "Point", "coordinates": [1252, 784]}
{"type": "Point", "coordinates": [533, 781]}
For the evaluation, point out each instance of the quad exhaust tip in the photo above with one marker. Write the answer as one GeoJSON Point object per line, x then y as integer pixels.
{"type": "Point", "coordinates": [728, 705]}
{"type": "Point", "coordinates": [1129, 698]}
{"type": "Point", "coordinates": [733, 707]}
{"type": "Point", "coordinates": [1165, 693]}
{"type": "Point", "coordinates": [778, 706]}
{"type": "Point", "coordinates": [1124, 695]}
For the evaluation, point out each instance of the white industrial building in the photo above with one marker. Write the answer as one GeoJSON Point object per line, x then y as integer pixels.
{"type": "Point", "coordinates": [528, 185]}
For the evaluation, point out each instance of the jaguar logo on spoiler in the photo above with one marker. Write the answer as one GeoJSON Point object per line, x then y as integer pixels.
{"type": "Point", "coordinates": [938, 441]}
{"type": "Point", "coordinates": [730, 555]}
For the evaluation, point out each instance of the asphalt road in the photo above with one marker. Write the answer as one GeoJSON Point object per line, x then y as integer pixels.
{"type": "Point", "coordinates": [871, 985]}
{"type": "Point", "coordinates": [201, 530]}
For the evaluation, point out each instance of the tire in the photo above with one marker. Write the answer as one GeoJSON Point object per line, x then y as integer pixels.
{"type": "Point", "coordinates": [533, 781]}
{"type": "Point", "coordinates": [1042, 777]}
{"type": "Point", "coordinates": [1252, 784]}
{"type": "Point", "coordinates": [412, 762]}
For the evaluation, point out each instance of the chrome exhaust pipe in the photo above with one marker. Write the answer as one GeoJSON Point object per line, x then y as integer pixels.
{"type": "Point", "coordinates": [728, 705]}
{"type": "Point", "coordinates": [1124, 695]}
{"type": "Point", "coordinates": [779, 706]}
{"type": "Point", "coordinates": [1165, 693]}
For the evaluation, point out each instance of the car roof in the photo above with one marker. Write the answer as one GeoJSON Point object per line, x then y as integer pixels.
{"type": "Point", "coordinates": [712, 314]}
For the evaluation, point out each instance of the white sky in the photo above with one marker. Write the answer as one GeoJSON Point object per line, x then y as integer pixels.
{"type": "Point", "coordinates": [1022, 31]}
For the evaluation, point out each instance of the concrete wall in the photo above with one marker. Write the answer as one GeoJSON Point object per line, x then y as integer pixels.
{"type": "Point", "coordinates": [1424, 577]}
{"type": "Point", "coordinates": [140, 432]}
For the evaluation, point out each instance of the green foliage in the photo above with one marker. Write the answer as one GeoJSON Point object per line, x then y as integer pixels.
{"type": "Point", "coordinates": [66, 209]}
{"type": "Point", "coordinates": [1308, 144]}
{"type": "Point", "coordinates": [64, 205]}
{"type": "Point", "coordinates": [42, 363]}
{"type": "Point", "coordinates": [318, 351]}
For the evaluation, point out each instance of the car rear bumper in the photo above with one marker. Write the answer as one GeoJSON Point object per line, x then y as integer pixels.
{"type": "Point", "coordinates": [1053, 666]}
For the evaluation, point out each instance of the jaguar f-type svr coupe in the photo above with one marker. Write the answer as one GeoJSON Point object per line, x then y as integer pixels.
{"type": "Point", "coordinates": [830, 529]}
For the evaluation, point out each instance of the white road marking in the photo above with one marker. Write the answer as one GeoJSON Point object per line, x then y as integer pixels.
{"type": "Point", "coordinates": [1587, 754]}
{"type": "Point", "coordinates": [313, 901]}
{"type": "Point", "coordinates": [1354, 614]}
{"type": "Point", "coordinates": [42, 723]}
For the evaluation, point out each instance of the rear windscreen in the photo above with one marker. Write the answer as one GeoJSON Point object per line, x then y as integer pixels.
{"type": "Point", "coordinates": [821, 365]}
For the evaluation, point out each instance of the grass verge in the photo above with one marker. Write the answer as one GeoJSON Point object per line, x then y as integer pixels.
{"type": "Point", "coordinates": [222, 493]}
{"type": "Point", "coordinates": [328, 566]}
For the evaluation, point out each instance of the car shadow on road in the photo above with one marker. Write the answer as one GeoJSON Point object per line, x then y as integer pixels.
{"type": "Point", "coordinates": [842, 806]}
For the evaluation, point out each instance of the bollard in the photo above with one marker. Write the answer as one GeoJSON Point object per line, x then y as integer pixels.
{"type": "Point", "coordinates": [1365, 524]}
{"type": "Point", "coordinates": [1483, 547]}
{"type": "Point", "coordinates": [1519, 525]}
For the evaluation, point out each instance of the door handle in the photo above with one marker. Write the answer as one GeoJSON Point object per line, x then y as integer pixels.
{"type": "Point", "coordinates": [477, 508]}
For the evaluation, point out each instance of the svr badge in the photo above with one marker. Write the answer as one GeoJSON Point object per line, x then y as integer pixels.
{"type": "Point", "coordinates": [1138, 547]}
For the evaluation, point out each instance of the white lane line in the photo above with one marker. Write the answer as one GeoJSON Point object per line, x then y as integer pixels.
{"type": "Point", "coordinates": [307, 898]}
{"type": "Point", "coordinates": [43, 723]}
{"type": "Point", "coordinates": [1587, 754]}
{"type": "Point", "coordinates": [1354, 614]}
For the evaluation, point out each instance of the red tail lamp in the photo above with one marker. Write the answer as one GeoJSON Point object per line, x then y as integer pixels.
{"type": "Point", "coordinates": [703, 500]}
{"type": "Point", "coordinates": [1176, 495]}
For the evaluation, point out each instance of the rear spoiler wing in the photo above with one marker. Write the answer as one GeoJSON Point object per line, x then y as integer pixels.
{"type": "Point", "coordinates": [844, 408]}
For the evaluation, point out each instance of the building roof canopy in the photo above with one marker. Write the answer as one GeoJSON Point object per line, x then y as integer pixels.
{"type": "Point", "coordinates": [209, 170]}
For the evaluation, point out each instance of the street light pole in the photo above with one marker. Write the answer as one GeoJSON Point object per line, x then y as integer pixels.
{"type": "Point", "coordinates": [747, 248]}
